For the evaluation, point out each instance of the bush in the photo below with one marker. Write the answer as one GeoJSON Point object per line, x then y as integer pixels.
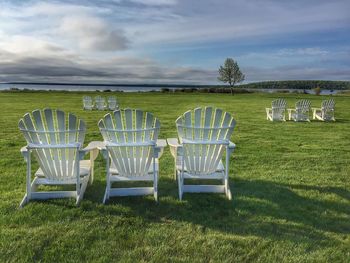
{"type": "Point", "coordinates": [317, 90]}
{"type": "Point", "coordinates": [165, 90]}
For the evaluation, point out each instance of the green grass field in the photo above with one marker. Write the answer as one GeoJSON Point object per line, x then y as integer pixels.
{"type": "Point", "coordinates": [290, 184]}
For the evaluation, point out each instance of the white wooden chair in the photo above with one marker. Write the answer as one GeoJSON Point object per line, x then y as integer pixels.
{"type": "Point", "coordinates": [277, 110]}
{"type": "Point", "coordinates": [100, 103]}
{"type": "Point", "coordinates": [204, 135]}
{"type": "Point", "coordinates": [131, 150]}
{"type": "Point", "coordinates": [87, 103]}
{"type": "Point", "coordinates": [301, 111]}
{"type": "Point", "coordinates": [56, 140]}
{"type": "Point", "coordinates": [326, 112]}
{"type": "Point", "coordinates": [112, 103]}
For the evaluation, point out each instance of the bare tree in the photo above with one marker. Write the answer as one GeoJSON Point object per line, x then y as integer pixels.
{"type": "Point", "coordinates": [230, 73]}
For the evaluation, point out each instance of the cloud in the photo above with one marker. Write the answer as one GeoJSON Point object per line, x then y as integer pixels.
{"type": "Point", "coordinates": [155, 2]}
{"type": "Point", "coordinates": [93, 33]}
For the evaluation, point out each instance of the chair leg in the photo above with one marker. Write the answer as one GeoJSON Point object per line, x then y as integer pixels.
{"type": "Point", "coordinates": [82, 191]}
{"type": "Point", "coordinates": [155, 186]}
{"type": "Point", "coordinates": [180, 183]}
{"type": "Point", "coordinates": [24, 201]}
{"type": "Point", "coordinates": [227, 190]}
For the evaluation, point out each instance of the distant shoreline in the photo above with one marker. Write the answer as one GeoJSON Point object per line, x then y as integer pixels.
{"type": "Point", "coordinates": [270, 85]}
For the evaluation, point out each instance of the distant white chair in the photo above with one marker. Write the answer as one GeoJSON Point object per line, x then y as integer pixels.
{"type": "Point", "coordinates": [277, 110]}
{"type": "Point", "coordinates": [131, 150]}
{"type": "Point", "coordinates": [56, 140]}
{"type": "Point", "coordinates": [100, 103]}
{"type": "Point", "coordinates": [204, 134]}
{"type": "Point", "coordinates": [301, 111]}
{"type": "Point", "coordinates": [112, 103]}
{"type": "Point", "coordinates": [326, 112]}
{"type": "Point", "coordinates": [87, 103]}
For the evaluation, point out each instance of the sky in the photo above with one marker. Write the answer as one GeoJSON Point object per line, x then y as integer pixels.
{"type": "Point", "coordinates": [173, 41]}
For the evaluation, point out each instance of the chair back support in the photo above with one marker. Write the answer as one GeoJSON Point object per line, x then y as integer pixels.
{"type": "Point", "coordinates": [55, 139]}
{"type": "Point", "coordinates": [130, 136]}
{"type": "Point", "coordinates": [327, 109]}
{"type": "Point", "coordinates": [100, 103]}
{"type": "Point", "coordinates": [204, 134]}
{"type": "Point", "coordinates": [112, 103]}
{"type": "Point", "coordinates": [278, 109]}
{"type": "Point", "coordinates": [302, 108]}
{"type": "Point", "coordinates": [87, 102]}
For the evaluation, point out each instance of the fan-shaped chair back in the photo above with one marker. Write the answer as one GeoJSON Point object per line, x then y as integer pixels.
{"type": "Point", "coordinates": [112, 103]}
{"type": "Point", "coordinates": [204, 133]}
{"type": "Point", "coordinates": [130, 136]}
{"type": "Point", "coordinates": [99, 103]}
{"type": "Point", "coordinates": [55, 139]}
{"type": "Point", "coordinates": [302, 108]}
{"type": "Point", "coordinates": [278, 109]}
{"type": "Point", "coordinates": [327, 109]}
{"type": "Point", "coordinates": [87, 102]}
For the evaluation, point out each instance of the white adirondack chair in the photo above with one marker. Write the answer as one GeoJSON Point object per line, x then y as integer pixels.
{"type": "Point", "coordinates": [277, 110]}
{"type": "Point", "coordinates": [131, 150]}
{"type": "Point", "coordinates": [301, 111]}
{"type": "Point", "coordinates": [204, 135]}
{"type": "Point", "coordinates": [326, 112]}
{"type": "Point", "coordinates": [87, 103]}
{"type": "Point", "coordinates": [100, 103]}
{"type": "Point", "coordinates": [112, 103]}
{"type": "Point", "coordinates": [56, 140]}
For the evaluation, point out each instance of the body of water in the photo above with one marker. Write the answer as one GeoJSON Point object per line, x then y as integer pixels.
{"type": "Point", "coordinates": [138, 88]}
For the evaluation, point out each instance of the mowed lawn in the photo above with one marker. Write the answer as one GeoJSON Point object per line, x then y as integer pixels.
{"type": "Point", "coordinates": [290, 184]}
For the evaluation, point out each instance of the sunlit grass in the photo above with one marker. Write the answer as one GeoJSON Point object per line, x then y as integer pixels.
{"type": "Point", "coordinates": [290, 184]}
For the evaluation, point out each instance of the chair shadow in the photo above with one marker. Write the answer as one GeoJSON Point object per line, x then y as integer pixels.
{"type": "Point", "coordinates": [260, 208]}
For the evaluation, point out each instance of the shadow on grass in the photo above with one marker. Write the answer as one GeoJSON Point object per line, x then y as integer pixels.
{"type": "Point", "coordinates": [259, 208]}
{"type": "Point", "coordinates": [298, 213]}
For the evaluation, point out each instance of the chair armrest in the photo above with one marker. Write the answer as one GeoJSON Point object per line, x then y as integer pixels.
{"type": "Point", "coordinates": [25, 152]}
{"type": "Point", "coordinates": [268, 109]}
{"type": "Point", "coordinates": [231, 147]}
{"type": "Point", "coordinates": [159, 148]}
{"type": "Point", "coordinates": [174, 146]}
{"type": "Point", "coordinates": [92, 148]}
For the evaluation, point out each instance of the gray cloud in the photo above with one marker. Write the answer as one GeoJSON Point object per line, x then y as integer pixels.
{"type": "Point", "coordinates": [93, 33]}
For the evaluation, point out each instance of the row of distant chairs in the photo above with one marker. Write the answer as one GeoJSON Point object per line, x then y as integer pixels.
{"type": "Point", "coordinates": [301, 112]}
{"type": "Point", "coordinates": [100, 103]}
{"type": "Point", "coordinates": [131, 148]}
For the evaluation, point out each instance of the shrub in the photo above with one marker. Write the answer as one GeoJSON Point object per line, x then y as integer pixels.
{"type": "Point", "coordinates": [317, 90]}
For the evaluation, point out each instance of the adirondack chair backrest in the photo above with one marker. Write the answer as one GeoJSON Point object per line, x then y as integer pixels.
{"type": "Point", "coordinates": [100, 103]}
{"type": "Point", "coordinates": [87, 101]}
{"type": "Point", "coordinates": [55, 139]}
{"type": "Point", "coordinates": [112, 103]}
{"type": "Point", "coordinates": [130, 136]}
{"type": "Point", "coordinates": [302, 108]}
{"type": "Point", "coordinates": [327, 109]}
{"type": "Point", "coordinates": [278, 109]}
{"type": "Point", "coordinates": [204, 134]}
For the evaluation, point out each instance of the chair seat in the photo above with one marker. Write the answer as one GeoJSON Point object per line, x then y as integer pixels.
{"type": "Point", "coordinates": [113, 170]}
{"type": "Point", "coordinates": [220, 167]}
{"type": "Point", "coordinates": [85, 167]}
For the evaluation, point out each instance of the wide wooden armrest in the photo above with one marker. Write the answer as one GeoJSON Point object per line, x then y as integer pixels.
{"type": "Point", "coordinates": [231, 145]}
{"type": "Point", "coordinates": [174, 146]}
{"type": "Point", "coordinates": [25, 152]}
{"type": "Point", "coordinates": [160, 145]}
{"type": "Point", "coordinates": [92, 148]}
{"type": "Point", "coordinates": [316, 109]}
{"type": "Point", "coordinates": [24, 149]}
{"type": "Point", "coordinates": [268, 109]}
{"type": "Point", "coordinates": [173, 142]}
